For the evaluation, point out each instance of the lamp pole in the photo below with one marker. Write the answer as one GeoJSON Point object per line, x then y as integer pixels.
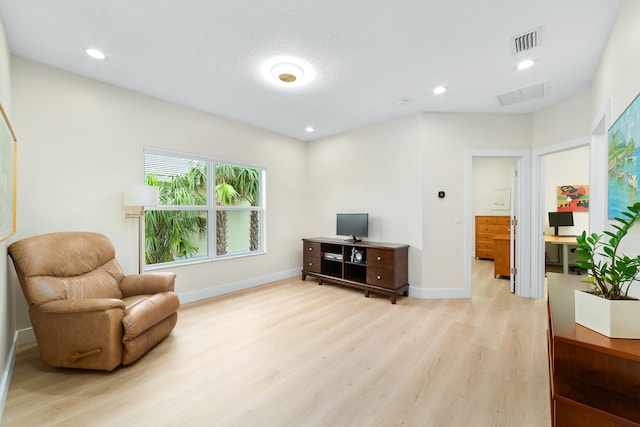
{"type": "Point", "coordinates": [141, 196]}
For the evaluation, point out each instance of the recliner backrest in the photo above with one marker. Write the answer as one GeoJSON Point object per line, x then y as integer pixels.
{"type": "Point", "coordinates": [66, 265]}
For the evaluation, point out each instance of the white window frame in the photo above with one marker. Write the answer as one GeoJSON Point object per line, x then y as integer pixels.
{"type": "Point", "coordinates": [211, 207]}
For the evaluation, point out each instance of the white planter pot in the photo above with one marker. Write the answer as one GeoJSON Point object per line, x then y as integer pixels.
{"type": "Point", "coordinates": [612, 318]}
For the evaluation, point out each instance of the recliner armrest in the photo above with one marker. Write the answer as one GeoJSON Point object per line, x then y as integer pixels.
{"type": "Point", "coordinates": [147, 283]}
{"type": "Point", "coordinates": [81, 305]}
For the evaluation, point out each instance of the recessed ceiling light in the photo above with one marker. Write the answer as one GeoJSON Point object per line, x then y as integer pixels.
{"type": "Point", "coordinates": [287, 71]}
{"type": "Point", "coordinates": [527, 63]}
{"type": "Point", "coordinates": [309, 129]}
{"type": "Point", "coordinates": [439, 90]}
{"type": "Point", "coordinates": [402, 101]}
{"type": "Point", "coordinates": [95, 53]}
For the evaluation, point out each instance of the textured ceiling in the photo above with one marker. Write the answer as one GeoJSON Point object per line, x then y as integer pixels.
{"type": "Point", "coordinates": [367, 54]}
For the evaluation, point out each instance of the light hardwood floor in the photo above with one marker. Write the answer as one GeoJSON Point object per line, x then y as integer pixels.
{"type": "Point", "coordinates": [297, 354]}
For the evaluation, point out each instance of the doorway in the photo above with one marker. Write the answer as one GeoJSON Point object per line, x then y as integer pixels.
{"type": "Point", "coordinates": [597, 143]}
{"type": "Point", "coordinates": [520, 161]}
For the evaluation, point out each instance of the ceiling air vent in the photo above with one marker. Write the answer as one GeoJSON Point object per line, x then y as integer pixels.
{"type": "Point", "coordinates": [524, 94]}
{"type": "Point", "coordinates": [526, 41]}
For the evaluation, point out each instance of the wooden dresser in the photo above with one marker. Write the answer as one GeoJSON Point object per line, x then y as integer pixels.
{"type": "Point", "coordinates": [487, 228]}
{"type": "Point", "coordinates": [594, 380]}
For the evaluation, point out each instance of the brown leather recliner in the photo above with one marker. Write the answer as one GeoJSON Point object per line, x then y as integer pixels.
{"type": "Point", "coordinates": [85, 312]}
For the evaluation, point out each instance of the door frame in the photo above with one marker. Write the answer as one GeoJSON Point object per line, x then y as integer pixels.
{"type": "Point", "coordinates": [521, 211]}
{"type": "Point", "coordinates": [597, 141]}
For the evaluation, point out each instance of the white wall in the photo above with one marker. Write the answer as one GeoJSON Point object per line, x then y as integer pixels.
{"type": "Point", "coordinates": [566, 168]}
{"type": "Point", "coordinates": [394, 171]}
{"type": "Point", "coordinates": [569, 167]}
{"type": "Point", "coordinates": [446, 136]}
{"type": "Point", "coordinates": [490, 173]}
{"type": "Point", "coordinates": [7, 324]}
{"type": "Point", "coordinates": [375, 170]}
{"type": "Point", "coordinates": [82, 145]}
{"type": "Point", "coordinates": [563, 121]}
{"type": "Point", "coordinates": [616, 78]}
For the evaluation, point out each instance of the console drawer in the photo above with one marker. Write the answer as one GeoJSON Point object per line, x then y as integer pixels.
{"type": "Point", "coordinates": [311, 263]}
{"type": "Point", "coordinates": [380, 277]}
{"type": "Point", "coordinates": [311, 249]}
{"type": "Point", "coordinates": [379, 258]}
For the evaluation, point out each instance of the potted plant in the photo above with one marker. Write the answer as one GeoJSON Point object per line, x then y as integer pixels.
{"type": "Point", "coordinates": [607, 308]}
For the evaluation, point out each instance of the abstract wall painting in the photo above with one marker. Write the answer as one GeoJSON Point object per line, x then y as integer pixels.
{"type": "Point", "coordinates": [624, 136]}
{"type": "Point", "coordinates": [573, 198]}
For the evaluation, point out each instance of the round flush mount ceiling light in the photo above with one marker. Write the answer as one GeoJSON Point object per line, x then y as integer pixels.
{"type": "Point", "coordinates": [95, 53]}
{"type": "Point", "coordinates": [527, 63]}
{"type": "Point", "coordinates": [309, 129]}
{"type": "Point", "coordinates": [439, 90]}
{"type": "Point", "coordinates": [287, 71]}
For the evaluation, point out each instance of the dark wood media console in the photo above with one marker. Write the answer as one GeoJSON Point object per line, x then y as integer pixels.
{"type": "Point", "coordinates": [382, 268]}
{"type": "Point", "coordinates": [595, 380]}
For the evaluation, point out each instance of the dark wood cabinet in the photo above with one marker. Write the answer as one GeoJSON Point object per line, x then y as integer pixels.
{"type": "Point", "coordinates": [595, 380]}
{"type": "Point", "coordinates": [382, 268]}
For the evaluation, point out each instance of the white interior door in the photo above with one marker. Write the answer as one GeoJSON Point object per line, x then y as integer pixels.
{"type": "Point", "coordinates": [514, 225]}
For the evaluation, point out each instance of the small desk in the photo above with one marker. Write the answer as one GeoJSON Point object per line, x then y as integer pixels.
{"type": "Point", "coordinates": [565, 241]}
{"type": "Point", "coordinates": [501, 260]}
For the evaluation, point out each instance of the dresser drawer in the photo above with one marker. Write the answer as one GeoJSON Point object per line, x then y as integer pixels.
{"type": "Point", "coordinates": [486, 220]}
{"type": "Point", "coordinates": [484, 253]}
{"type": "Point", "coordinates": [504, 220]}
{"type": "Point", "coordinates": [485, 244]}
{"type": "Point", "coordinates": [379, 258]}
{"type": "Point", "coordinates": [380, 277]}
{"type": "Point", "coordinates": [492, 229]}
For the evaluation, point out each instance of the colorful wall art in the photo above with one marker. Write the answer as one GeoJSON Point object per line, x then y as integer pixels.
{"type": "Point", "coordinates": [624, 136]}
{"type": "Point", "coordinates": [573, 198]}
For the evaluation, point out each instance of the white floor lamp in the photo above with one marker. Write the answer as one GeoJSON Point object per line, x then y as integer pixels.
{"type": "Point", "coordinates": [140, 196]}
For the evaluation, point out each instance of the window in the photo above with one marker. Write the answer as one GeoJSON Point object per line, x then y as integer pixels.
{"type": "Point", "coordinates": [208, 208]}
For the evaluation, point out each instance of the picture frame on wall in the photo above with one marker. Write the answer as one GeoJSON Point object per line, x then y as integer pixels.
{"type": "Point", "coordinates": [623, 166]}
{"type": "Point", "coordinates": [573, 198]}
{"type": "Point", "coordinates": [8, 174]}
{"type": "Point", "coordinates": [500, 199]}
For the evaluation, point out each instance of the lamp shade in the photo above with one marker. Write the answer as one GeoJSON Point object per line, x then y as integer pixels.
{"type": "Point", "coordinates": [141, 195]}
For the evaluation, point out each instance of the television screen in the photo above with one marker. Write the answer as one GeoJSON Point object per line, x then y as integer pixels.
{"type": "Point", "coordinates": [352, 224]}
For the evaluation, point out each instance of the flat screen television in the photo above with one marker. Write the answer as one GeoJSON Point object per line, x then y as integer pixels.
{"type": "Point", "coordinates": [352, 224]}
{"type": "Point", "coordinates": [560, 219]}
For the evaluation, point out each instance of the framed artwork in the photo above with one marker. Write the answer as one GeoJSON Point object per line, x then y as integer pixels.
{"type": "Point", "coordinates": [624, 137]}
{"type": "Point", "coordinates": [500, 199]}
{"type": "Point", "coordinates": [573, 198]}
{"type": "Point", "coordinates": [8, 161]}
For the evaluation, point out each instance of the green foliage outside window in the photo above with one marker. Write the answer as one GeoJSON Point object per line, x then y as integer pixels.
{"type": "Point", "coordinates": [179, 232]}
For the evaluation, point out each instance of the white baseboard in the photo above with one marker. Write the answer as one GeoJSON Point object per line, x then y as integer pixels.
{"type": "Point", "coordinates": [7, 373]}
{"type": "Point", "coordinates": [227, 288]}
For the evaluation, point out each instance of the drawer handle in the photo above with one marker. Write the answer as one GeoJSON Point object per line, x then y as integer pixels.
{"type": "Point", "coordinates": [379, 258]}
{"type": "Point", "coordinates": [310, 249]}
{"type": "Point", "coordinates": [379, 277]}
{"type": "Point", "coordinates": [310, 264]}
